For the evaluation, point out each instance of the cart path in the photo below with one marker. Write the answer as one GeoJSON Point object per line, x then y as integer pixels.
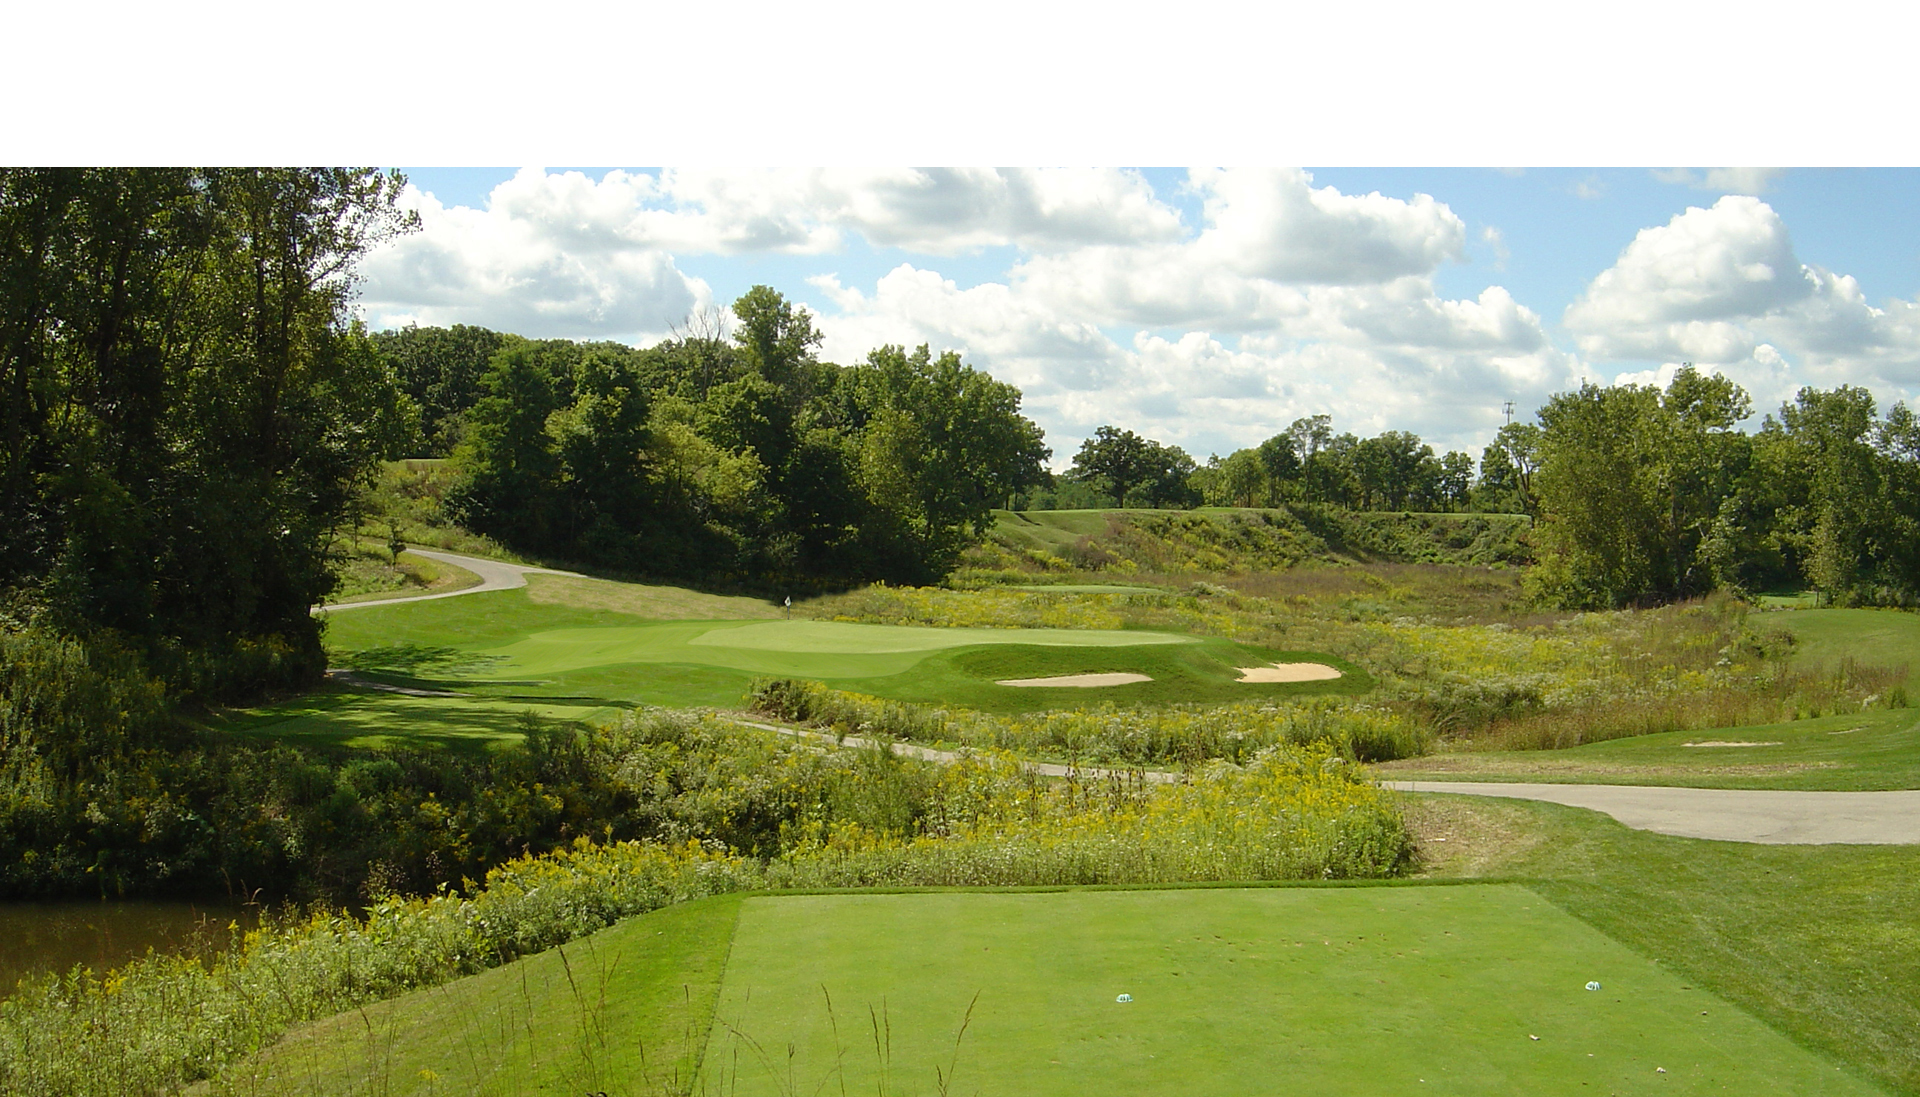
{"type": "Point", "coordinates": [494, 575]}
{"type": "Point", "coordinates": [1765, 816]}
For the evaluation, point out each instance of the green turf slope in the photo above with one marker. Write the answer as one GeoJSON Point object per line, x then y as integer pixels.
{"type": "Point", "coordinates": [499, 653]}
{"type": "Point", "coordinates": [1878, 749]}
{"type": "Point", "coordinates": [624, 1011]}
{"type": "Point", "coordinates": [1364, 991]}
{"type": "Point", "coordinates": [1888, 637]}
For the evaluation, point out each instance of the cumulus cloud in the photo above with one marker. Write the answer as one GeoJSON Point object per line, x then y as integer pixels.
{"type": "Point", "coordinates": [1267, 233]}
{"type": "Point", "coordinates": [565, 254]}
{"type": "Point", "coordinates": [503, 271]}
{"type": "Point", "coordinates": [1723, 287]}
{"type": "Point", "coordinates": [1393, 356]}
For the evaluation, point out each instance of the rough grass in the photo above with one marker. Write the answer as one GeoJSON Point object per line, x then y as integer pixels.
{"type": "Point", "coordinates": [1234, 541]}
{"type": "Point", "coordinates": [1876, 749]}
{"type": "Point", "coordinates": [370, 574]}
{"type": "Point", "coordinates": [1819, 941]}
{"type": "Point", "coordinates": [655, 603]}
{"type": "Point", "coordinates": [625, 1010]}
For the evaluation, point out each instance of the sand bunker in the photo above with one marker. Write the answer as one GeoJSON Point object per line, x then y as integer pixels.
{"type": "Point", "coordinates": [1078, 681]}
{"type": "Point", "coordinates": [1289, 672]}
{"type": "Point", "coordinates": [1732, 743]}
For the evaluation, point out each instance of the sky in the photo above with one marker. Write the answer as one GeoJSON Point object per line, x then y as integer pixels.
{"type": "Point", "coordinates": [1209, 308]}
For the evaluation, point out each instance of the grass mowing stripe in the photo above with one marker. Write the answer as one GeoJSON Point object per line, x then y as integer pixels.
{"type": "Point", "coordinates": [1335, 991]}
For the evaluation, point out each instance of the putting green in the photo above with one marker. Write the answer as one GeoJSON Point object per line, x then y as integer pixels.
{"type": "Point", "coordinates": [503, 653]}
{"type": "Point", "coordinates": [835, 649]}
{"type": "Point", "coordinates": [845, 636]}
{"type": "Point", "coordinates": [1382, 990]}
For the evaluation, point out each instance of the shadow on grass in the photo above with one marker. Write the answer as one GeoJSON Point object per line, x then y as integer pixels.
{"type": "Point", "coordinates": [362, 720]}
{"type": "Point", "coordinates": [418, 660]}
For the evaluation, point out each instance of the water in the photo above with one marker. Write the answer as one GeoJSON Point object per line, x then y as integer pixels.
{"type": "Point", "coordinates": [54, 936]}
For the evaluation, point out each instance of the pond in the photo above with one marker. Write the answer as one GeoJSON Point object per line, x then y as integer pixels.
{"type": "Point", "coordinates": [54, 936]}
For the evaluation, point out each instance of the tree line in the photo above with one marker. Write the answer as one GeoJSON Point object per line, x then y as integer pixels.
{"type": "Point", "coordinates": [1650, 495]}
{"type": "Point", "coordinates": [742, 459]}
{"type": "Point", "coordinates": [1305, 464]}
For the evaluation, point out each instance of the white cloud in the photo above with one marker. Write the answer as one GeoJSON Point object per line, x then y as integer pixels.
{"type": "Point", "coordinates": [542, 279]}
{"type": "Point", "coordinates": [1752, 181]}
{"type": "Point", "coordinates": [1676, 282]}
{"type": "Point", "coordinates": [1267, 233]}
{"type": "Point", "coordinates": [812, 210]}
{"type": "Point", "coordinates": [1386, 357]}
{"type": "Point", "coordinates": [565, 254]}
{"type": "Point", "coordinates": [1723, 287]}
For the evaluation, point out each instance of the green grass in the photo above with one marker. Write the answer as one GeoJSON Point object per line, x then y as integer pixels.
{"type": "Point", "coordinates": [624, 1010]}
{"type": "Point", "coordinates": [1872, 750]}
{"type": "Point", "coordinates": [1819, 941]}
{"type": "Point", "coordinates": [1825, 636]}
{"type": "Point", "coordinates": [1351, 990]}
{"type": "Point", "coordinates": [367, 719]}
{"type": "Point", "coordinates": [508, 652]}
{"type": "Point", "coordinates": [1876, 749]}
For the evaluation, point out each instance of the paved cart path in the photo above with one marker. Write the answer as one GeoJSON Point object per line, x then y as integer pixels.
{"type": "Point", "coordinates": [494, 575]}
{"type": "Point", "coordinates": [1766, 816]}
{"type": "Point", "coordinates": [1732, 815]}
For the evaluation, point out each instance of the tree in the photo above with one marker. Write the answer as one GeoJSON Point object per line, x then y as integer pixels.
{"type": "Point", "coordinates": [941, 446]}
{"type": "Point", "coordinates": [190, 408]}
{"type": "Point", "coordinates": [1244, 479]}
{"type": "Point", "coordinates": [440, 369]}
{"type": "Point", "coordinates": [1392, 469]}
{"type": "Point", "coordinates": [777, 341]}
{"type": "Point", "coordinates": [1455, 482]}
{"type": "Point", "coordinates": [1633, 489]}
{"type": "Point", "coordinates": [1135, 470]}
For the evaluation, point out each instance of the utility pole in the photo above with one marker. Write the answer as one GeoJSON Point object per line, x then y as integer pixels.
{"type": "Point", "coordinates": [1509, 410]}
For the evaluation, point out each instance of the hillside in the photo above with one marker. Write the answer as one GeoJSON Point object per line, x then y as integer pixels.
{"type": "Point", "coordinates": [1237, 540]}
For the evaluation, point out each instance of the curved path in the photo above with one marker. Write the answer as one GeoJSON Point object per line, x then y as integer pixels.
{"type": "Point", "coordinates": [1762, 816]}
{"type": "Point", "coordinates": [1765, 816]}
{"type": "Point", "coordinates": [494, 575]}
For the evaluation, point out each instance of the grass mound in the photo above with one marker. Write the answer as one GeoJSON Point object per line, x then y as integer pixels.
{"type": "Point", "coordinates": [586, 649]}
{"type": "Point", "coordinates": [624, 1010]}
{"type": "Point", "coordinates": [1236, 540]}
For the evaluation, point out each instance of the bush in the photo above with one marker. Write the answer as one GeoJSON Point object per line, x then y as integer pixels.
{"type": "Point", "coordinates": [166, 1021]}
{"type": "Point", "coordinates": [1178, 735]}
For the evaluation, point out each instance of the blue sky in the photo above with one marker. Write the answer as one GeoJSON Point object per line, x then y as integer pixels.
{"type": "Point", "coordinates": [1209, 309]}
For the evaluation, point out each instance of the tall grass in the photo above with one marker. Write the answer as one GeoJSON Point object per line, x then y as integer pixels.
{"type": "Point", "coordinates": [1178, 735]}
{"type": "Point", "coordinates": [1529, 681]}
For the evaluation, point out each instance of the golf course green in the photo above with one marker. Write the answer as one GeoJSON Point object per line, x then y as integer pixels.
{"type": "Point", "coordinates": [461, 671]}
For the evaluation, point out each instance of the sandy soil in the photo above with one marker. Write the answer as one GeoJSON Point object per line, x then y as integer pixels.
{"type": "Point", "coordinates": [1080, 681]}
{"type": "Point", "coordinates": [1288, 672]}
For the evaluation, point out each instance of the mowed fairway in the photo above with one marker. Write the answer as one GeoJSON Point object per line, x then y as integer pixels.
{"type": "Point", "coordinates": [1469, 990]}
{"type": "Point", "coordinates": [498, 654]}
